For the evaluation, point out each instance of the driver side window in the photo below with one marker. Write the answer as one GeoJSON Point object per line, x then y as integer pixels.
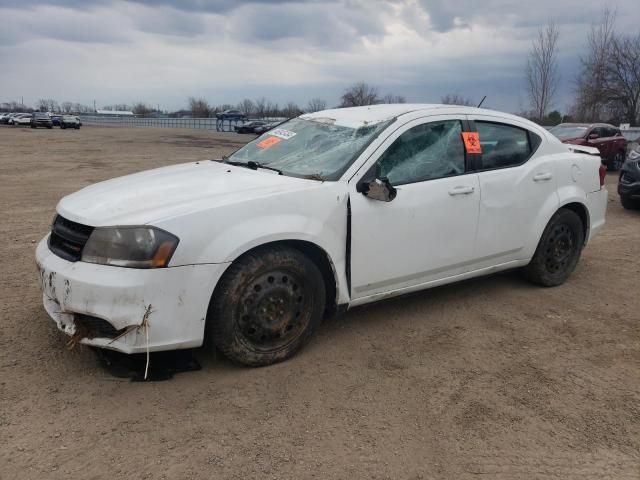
{"type": "Point", "coordinates": [424, 152]}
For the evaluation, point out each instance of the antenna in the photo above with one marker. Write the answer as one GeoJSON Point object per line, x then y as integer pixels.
{"type": "Point", "coordinates": [481, 101]}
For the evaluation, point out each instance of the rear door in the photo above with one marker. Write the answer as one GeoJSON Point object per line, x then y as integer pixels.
{"type": "Point", "coordinates": [515, 184]}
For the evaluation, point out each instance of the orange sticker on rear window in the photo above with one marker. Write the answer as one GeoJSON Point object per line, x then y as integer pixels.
{"type": "Point", "coordinates": [472, 142]}
{"type": "Point", "coordinates": [269, 142]}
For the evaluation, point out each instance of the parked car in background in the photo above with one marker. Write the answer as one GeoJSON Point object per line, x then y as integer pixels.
{"type": "Point", "coordinates": [606, 138]}
{"type": "Point", "coordinates": [231, 115]}
{"type": "Point", "coordinates": [327, 211]}
{"type": "Point", "coordinates": [629, 181]}
{"type": "Point", "coordinates": [41, 119]}
{"type": "Point", "coordinates": [250, 127]}
{"type": "Point", "coordinates": [4, 118]}
{"type": "Point", "coordinates": [265, 128]}
{"type": "Point", "coordinates": [70, 121]}
{"type": "Point", "coordinates": [21, 120]}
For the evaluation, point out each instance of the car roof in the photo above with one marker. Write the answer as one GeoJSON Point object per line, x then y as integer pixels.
{"type": "Point", "coordinates": [355, 116]}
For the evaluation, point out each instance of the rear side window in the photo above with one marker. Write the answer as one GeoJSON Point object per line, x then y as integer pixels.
{"type": "Point", "coordinates": [505, 145]}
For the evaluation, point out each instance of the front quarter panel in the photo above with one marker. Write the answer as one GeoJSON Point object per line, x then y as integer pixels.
{"type": "Point", "coordinates": [221, 234]}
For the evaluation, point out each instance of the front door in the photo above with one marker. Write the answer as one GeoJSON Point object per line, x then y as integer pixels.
{"type": "Point", "coordinates": [427, 231]}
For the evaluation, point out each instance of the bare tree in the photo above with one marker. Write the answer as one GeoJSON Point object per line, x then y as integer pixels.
{"type": "Point", "coordinates": [391, 98]}
{"type": "Point", "coordinates": [42, 104]}
{"type": "Point", "coordinates": [247, 107]}
{"type": "Point", "coordinates": [622, 77]}
{"type": "Point", "coordinates": [261, 107]}
{"type": "Point", "coordinates": [67, 107]}
{"type": "Point", "coordinates": [316, 105]}
{"type": "Point", "coordinates": [590, 103]}
{"type": "Point", "coordinates": [456, 99]}
{"type": "Point", "coordinates": [542, 69]}
{"type": "Point", "coordinates": [360, 94]}
{"type": "Point", "coordinates": [199, 107]}
{"type": "Point", "coordinates": [291, 110]}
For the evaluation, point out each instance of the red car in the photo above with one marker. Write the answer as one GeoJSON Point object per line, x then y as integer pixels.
{"type": "Point", "coordinates": [606, 138]}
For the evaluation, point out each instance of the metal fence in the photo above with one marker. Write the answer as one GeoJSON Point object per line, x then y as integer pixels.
{"type": "Point", "coordinates": [215, 124]}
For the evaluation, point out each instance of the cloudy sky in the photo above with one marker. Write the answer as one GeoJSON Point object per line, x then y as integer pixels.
{"type": "Point", "coordinates": [163, 51]}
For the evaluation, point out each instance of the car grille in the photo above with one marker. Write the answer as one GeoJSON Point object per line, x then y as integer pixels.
{"type": "Point", "coordinates": [626, 178]}
{"type": "Point", "coordinates": [94, 327]}
{"type": "Point", "coordinates": [68, 238]}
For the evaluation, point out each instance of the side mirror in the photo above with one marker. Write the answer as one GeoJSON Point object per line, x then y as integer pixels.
{"type": "Point", "coordinates": [593, 136]}
{"type": "Point", "coordinates": [378, 189]}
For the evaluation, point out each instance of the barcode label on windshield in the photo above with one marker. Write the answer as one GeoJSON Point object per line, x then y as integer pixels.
{"type": "Point", "coordinates": [281, 133]}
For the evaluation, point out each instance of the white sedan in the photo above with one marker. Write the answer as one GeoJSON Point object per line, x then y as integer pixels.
{"type": "Point", "coordinates": [330, 210]}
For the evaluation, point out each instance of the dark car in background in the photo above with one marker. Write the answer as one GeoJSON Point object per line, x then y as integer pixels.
{"type": "Point", "coordinates": [231, 115]}
{"type": "Point", "coordinates": [629, 181]}
{"type": "Point", "coordinates": [70, 121]}
{"type": "Point", "coordinates": [250, 127]}
{"type": "Point", "coordinates": [606, 138]}
{"type": "Point", "coordinates": [41, 119]}
{"type": "Point", "coordinates": [55, 119]}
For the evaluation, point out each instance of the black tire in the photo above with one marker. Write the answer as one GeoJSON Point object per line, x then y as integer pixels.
{"type": "Point", "coordinates": [266, 306]}
{"type": "Point", "coordinates": [49, 127]}
{"type": "Point", "coordinates": [77, 127]}
{"type": "Point", "coordinates": [33, 126]}
{"type": "Point", "coordinates": [63, 126]}
{"type": "Point", "coordinates": [630, 203]}
{"type": "Point", "coordinates": [558, 251]}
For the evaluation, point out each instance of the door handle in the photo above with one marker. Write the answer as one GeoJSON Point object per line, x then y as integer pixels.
{"type": "Point", "coordinates": [542, 177]}
{"type": "Point", "coordinates": [461, 190]}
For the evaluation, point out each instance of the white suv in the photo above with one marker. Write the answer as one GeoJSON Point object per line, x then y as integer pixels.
{"type": "Point", "coordinates": [330, 210]}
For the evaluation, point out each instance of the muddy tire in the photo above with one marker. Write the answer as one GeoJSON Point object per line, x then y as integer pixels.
{"type": "Point", "coordinates": [558, 251]}
{"type": "Point", "coordinates": [630, 203]}
{"type": "Point", "coordinates": [266, 306]}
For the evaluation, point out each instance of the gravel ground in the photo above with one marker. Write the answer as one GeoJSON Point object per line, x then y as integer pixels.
{"type": "Point", "coordinates": [491, 378]}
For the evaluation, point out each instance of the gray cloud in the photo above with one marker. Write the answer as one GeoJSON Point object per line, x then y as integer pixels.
{"type": "Point", "coordinates": [162, 51]}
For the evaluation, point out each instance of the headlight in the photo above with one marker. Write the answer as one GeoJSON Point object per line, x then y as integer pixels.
{"type": "Point", "coordinates": [134, 247]}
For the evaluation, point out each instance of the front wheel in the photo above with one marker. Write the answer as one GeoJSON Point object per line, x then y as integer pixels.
{"type": "Point", "coordinates": [558, 251]}
{"type": "Point", "coordinates": [266, 306]}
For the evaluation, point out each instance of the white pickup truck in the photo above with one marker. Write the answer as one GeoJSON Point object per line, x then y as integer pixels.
{"type": "Point", "coordinates": [330, 210]}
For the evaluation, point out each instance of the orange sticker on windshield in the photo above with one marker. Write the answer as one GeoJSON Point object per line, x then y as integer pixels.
{"type": "Point", "coordinates": [269, 142]}
{"type": "Point", "coordinates": [472, 142]}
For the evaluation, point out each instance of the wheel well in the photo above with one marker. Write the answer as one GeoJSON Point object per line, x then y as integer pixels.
{"type": "Point", "coordinates": [318, 256]}
{"type": "Point", "coordinates": [580, 210]}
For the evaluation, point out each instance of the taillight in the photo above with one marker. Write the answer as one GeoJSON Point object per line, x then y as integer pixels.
{"type": "Point", "coordinates": [603, 174]}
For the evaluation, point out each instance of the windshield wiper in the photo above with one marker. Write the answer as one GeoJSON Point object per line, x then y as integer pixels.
{"type": "Point", "coordinates": [250, 164]}
{"type": "Point", "coordinates": [256, 165]}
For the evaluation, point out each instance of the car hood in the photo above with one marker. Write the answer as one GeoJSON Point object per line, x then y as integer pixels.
{"type": "Point", "coordinates": [155, 195]}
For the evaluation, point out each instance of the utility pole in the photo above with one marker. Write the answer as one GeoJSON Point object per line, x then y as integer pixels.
{"type": "Point", "coordinates": [94, 105]}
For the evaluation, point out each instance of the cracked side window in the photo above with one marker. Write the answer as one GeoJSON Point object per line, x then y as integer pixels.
{"type": "Point", "coordinates": [424, 152]}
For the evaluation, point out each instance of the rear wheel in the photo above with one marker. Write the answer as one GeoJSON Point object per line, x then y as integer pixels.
{"type": "Point", "coordinates": [558, 251]}
{"type": "Point", "coordinates": [266, 306]}
{"type": "Point", "coordinates": [630, 203]}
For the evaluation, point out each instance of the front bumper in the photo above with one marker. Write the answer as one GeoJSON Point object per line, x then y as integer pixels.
{"type": "Point", "coordinates": [629, 182]}
{"type": "Point", "coordinates": [175, 301]}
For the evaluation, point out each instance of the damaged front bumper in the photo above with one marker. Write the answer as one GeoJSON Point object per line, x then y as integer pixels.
{"type": "Point", "coordinates": [127, 309]}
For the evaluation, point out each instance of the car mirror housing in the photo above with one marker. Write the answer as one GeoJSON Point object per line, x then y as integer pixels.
{"type": "Point", "coordinates": [379, 189]}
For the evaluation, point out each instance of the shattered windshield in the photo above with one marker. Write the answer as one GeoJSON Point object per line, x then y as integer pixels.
{"type": "Point", "coordinates": [312, 148]}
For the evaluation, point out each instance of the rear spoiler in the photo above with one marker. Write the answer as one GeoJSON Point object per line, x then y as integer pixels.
{"type": "Point", "coordinates": [583, 149]}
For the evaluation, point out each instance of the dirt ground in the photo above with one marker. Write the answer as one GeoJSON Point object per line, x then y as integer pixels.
{"type": "Point", "coordinates": [491, 378]}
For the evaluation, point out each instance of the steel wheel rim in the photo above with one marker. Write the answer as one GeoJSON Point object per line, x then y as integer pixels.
{"type": "Point", "coordinates": [560, 248]}
{"type": "Point", "coordinates": [272, 311]}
